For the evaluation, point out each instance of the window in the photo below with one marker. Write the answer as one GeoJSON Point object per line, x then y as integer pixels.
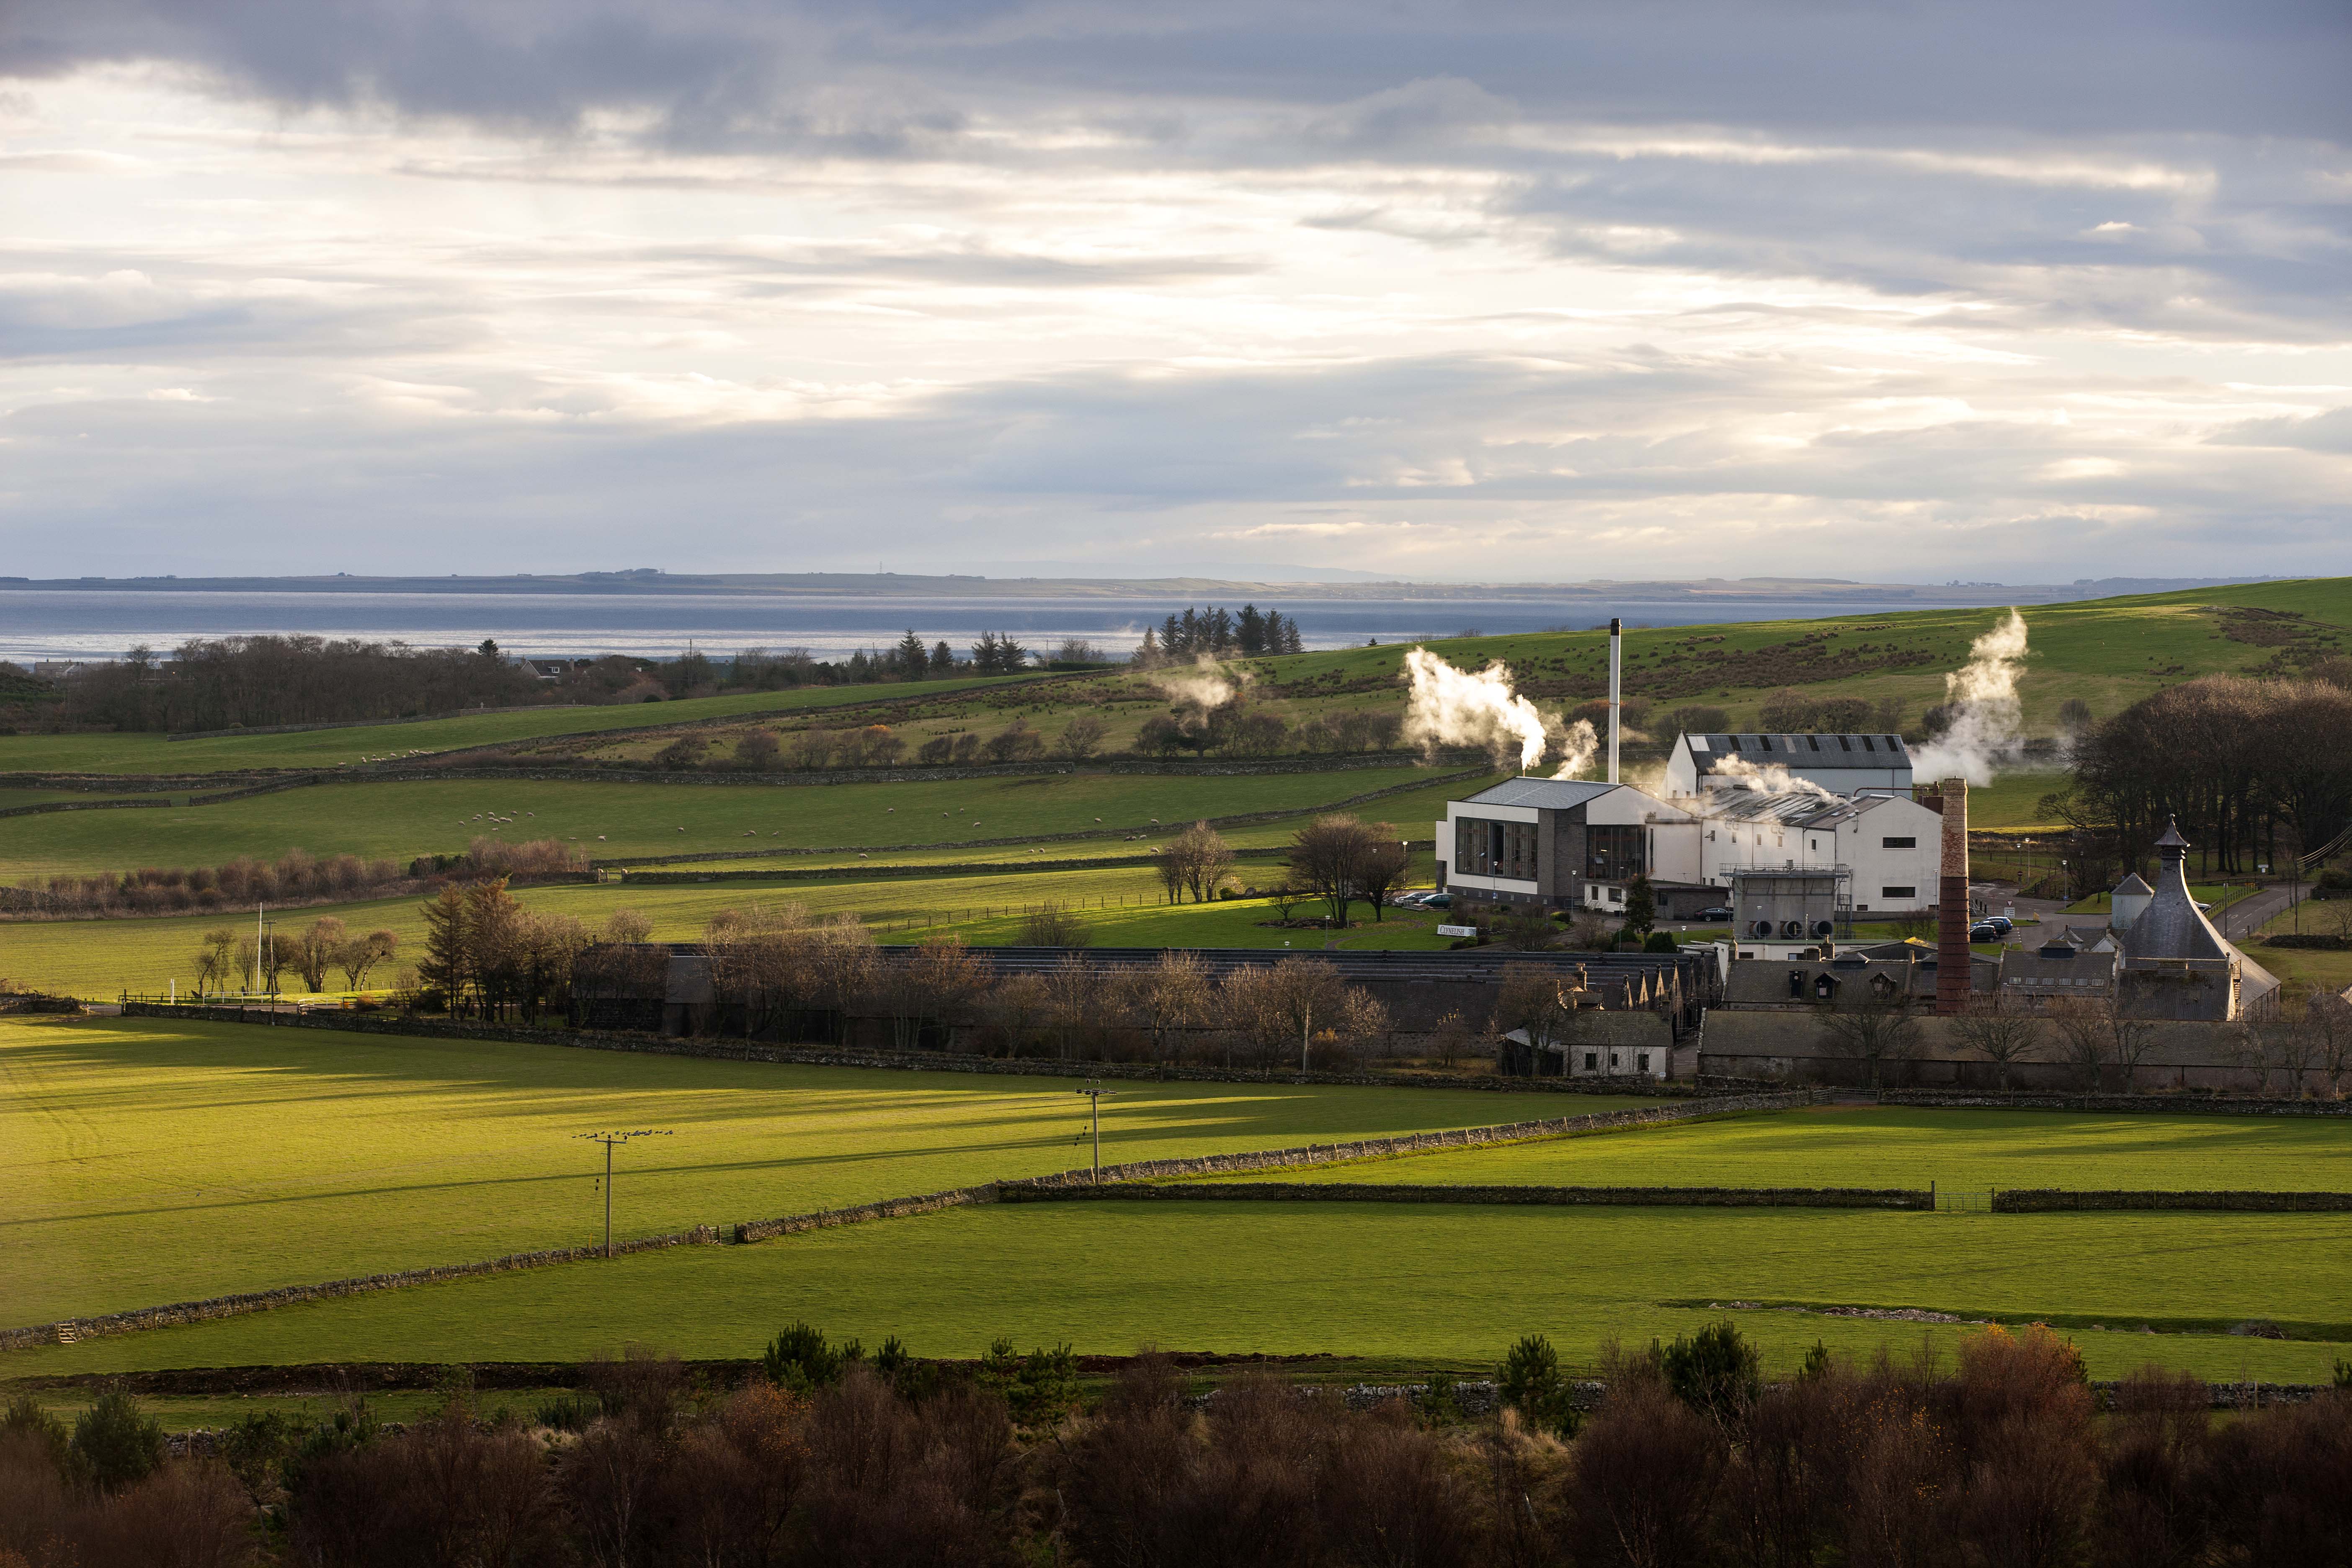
{"type": "Point", "coordinates": [1866, 745]}
{"type": "Point", "coordinates": [1898, 843]}
{"type": "Point", "coordinates": [1763, 743]}
{"type": "Point", "coordinates": [1591, 1061]}
{"type": "Point", "coordinates": [1898, 892]}
{"type": "Point", "coordinates": [1814, 742]}
{"type": "Point", "coordinates": [1614, 853]}
{"type": "Point", "coordinates": [1735, 741]}
{"type": "Point", "coordinates": [1642, 1062]}
{"type": "Point", "coordinates": [1844, 745]}
{"type": "Point", "coordinates": [1495, 848]}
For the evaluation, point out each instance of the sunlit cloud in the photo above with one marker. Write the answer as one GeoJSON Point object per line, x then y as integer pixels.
{"type": "Point", "coordinates": [1507, 293]}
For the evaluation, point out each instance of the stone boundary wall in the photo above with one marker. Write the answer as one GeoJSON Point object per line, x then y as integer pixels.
{"type": "Point", "coordinates": [373, 723]}
{"type": "Point", "coordinates": [715, 1048]}
{"type": "Point", "coordinates": [83, 805]}
{"type": "Point", "coordinates": [898, 869]}
{"type": "Point", "coordinates": [2185, 1104]}
{"type": "Point", "coordinates": [2056, 1200]}
{"type": "Point", "coordinates": [181, 1312]}
{"type": "Point", "coordinates": [859, 1214]}
{"type": "Point", "coordinates": [1403, 1193]}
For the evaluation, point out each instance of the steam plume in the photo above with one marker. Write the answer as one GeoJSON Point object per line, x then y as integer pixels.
{"type": "Point", "coordinates": [1981, 701]}
{"type": "Point", "coordinates": [1207, 685]}
{"type": "Point", "coordinates": [1450, 707]}
{"type": "Point", "coordinates": [1772, 778]}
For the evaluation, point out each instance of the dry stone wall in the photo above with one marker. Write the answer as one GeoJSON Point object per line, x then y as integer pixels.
{"type": "Point", "coordinates": [2054, 1200]}
{"type": "Point", "coordinates": [1407, 1192]}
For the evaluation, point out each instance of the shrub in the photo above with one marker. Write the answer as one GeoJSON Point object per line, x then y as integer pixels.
{"type": "Point", "coordinates": [567, 1413]}
{"type": "Point", "coordinates": [1717, 1373]}
{"type": "Point", "coordinates": [799, 1360]}
{"type": "Point", "coordinates": [1038, 1387]}
{"type": "Point", "coordinates": [1530, 1382]}
{"type": "Point", "coordinates": [115, 1442]}
{"type": "Point", "coordinates": [1661, 941]}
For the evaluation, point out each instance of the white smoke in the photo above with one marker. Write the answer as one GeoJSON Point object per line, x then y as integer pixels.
{"type": "Point", "coordinates": [1450, 707]}
{"type": "Point", "coordinates": [1772, 778]}
{"type": "Point", "coordinates": [1985, 714]}
{"type": "Point", "coordinates": [1207, 685]}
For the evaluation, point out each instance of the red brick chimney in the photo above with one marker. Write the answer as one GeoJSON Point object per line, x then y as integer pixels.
{"type": "Point", "coordinates": [1952, 903]}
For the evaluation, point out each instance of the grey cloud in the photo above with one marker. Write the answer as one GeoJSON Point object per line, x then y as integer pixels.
{"type": "Point", "coordinates": [2328, 432]}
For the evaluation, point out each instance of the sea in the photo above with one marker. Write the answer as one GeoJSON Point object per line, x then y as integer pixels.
{"type": "Point", "coordinates": [101, 623]}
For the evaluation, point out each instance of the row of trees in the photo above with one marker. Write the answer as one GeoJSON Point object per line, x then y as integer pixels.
{"type": "Point", "coordinates": [1216, 633]}
{"type": "Point", "coordinates": [2304, 1047]}
{"type": "Point", "coordinates": [836, 1457]}
{"type": "Point", "coordinates": [787, 970]}
{"type": "Point", "coordinates": [487, 956]}
{"type": "Point", "coordinates": [225, 682]}
{"type": "Point", "coordinates": [231, 958]}
{"type": "Point", "coordinates": [2254, 770]}
{"type": "Point", "coordinates": [295, 876]}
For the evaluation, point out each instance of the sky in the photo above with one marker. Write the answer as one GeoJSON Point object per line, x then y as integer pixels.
{"type": "Point", "coordinates": [1909, 291]}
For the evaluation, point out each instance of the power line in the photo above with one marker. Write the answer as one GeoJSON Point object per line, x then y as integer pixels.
{"type": "Point", "coordinates": [611, 1142]}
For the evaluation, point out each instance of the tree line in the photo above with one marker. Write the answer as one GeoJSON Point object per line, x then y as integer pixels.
{"type": "Point", "coordinates": [2254, 770]}
{"type": "Point", "coordinates": [1216, 633]}
{"type": "Point", "coordinates": [826, 1453]}
{"type": "Point", "coordinates": [781, 970]}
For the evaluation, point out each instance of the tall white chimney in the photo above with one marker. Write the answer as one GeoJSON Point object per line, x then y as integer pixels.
{"type": "Point", "coordinates": [1616, 675]}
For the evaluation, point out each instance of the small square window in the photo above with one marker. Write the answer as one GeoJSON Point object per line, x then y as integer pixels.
{"type": "Point", "coordinates": [1642, 1062]}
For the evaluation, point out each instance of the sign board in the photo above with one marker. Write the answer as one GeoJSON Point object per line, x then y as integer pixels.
{"type": "Point", "coordinates": [1457, 931]}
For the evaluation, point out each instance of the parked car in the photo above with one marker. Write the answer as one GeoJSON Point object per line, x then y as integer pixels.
{"type": "Point", "coordinates": [1438, 902]}
{"type": "Point", "coordinates": [1409, 901]}
{"type": "Point", "coordinates": [1717, 913]}
{"type": "Point", "coordinates": [2000, 923]}
{"type": "Point", "coordinates": [1985, 930]}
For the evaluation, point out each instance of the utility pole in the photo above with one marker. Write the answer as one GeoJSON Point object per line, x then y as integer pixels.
{"type": "Point", "coordinates": [611, 1142]}
{"type": "Point", "coordinates": [1095, 1093]}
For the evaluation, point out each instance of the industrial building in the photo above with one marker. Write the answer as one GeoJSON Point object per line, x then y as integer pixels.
{"type": "Point", "coordinates": [1840, 764]}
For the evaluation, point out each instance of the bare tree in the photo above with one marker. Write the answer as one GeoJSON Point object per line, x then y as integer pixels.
{"type": "Point", "coordinates": [1450, 1038]}
{"type": "Point", "coordinates": [1073, 1000]}
{"type": "Point", "coordinates": [1871, 1027]}
{"type": "Point", "coordinates": [1383, 865]}
{"type": "Point", "coordinates": [757, 959]}
{"type": "Point", "coordinates": [2328, 1017]}
{"type": "Point", "coordinates": [2129, 1041]}
{"type": "Point", "coordinates": [626, 925]}
{"type": "Point", "coordinates": [1195, 861]}
{"type": "Point", "coordinates": [1166, 998]}
{"type": "Point", "coordinates": [2086, 1026]}
{"type": "Point", "coordinates": [931, 987]}
{"type": "Point", "coordinates": [1328, 857]}
{"type": "Point", "coordinates": [1299, 994]}
{"type": "Point", "coordinates": [1534, 999]}
{"type": "Point", "coordinates": [1053, 925]}
{"type": "Point", "coordinates": [2000, 1030]}
{"type": "Point", "coordinates": [356, 957]}
{"type": "Point", "coordinates": [842, 965]}
{"type": "Point", "coordinates": [1081, 738]}
{"type": "Point", "coordinates": [315, 952]}
{"type": "Point", "coordinates": [1017, 1006]}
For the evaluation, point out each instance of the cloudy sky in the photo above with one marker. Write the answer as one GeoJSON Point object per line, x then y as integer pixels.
{"type": "Point", "coordinates": [2009, 291]}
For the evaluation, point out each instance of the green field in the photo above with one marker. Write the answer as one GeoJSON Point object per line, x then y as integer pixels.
{"type": "Point", "coordinates": [98, 960]}
{"type": "Point", "coordinates": [147, 1161]}
{"type": "Point", "coordinates": [1832, 1146]}
{"type": "Point", "coordinates": [399, 820]}
{"type": "Point", "coordinates": [1447, 1284]}
{"type": "Point", "coordinates": [353, 744]}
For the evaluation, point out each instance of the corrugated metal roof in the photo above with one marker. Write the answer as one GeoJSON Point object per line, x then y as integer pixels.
{"type": "Point", "coordinates": [1548, 794]}
{"type": "Point", "coordinates": [1811, 750]}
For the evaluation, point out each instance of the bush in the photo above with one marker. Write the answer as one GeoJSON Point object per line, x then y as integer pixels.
{"type": "Point", "coordinates": [1661, 941]}
{"type": "Point", "coordinates": [115, 1442]}
{"type": "Point", "coordinates": [1717, 1373]}
{"type": "Point", "coordinates": [1530, 1382]}
{"type": "Point", "coordinates": [799, 1360]}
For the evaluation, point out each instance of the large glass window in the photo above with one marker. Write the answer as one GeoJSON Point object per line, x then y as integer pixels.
{"type": "Point", "coordinates": [1483, 848]}
{"type": "Point", "coordinates": [1615, 852]}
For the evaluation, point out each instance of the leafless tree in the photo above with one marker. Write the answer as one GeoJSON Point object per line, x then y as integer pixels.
{"type": "Point", "coordinates": [1299, 994]}
{"type": "Point", "coordinates": [1073, 1000]}
{"type": "Point", "coordinates": [1337, 856]}
{"type": "Point", "coordinates": [1871, 1027]}
{"type": "Point", "coordinates": [1053, 925]}
{"type": "Point", "coordinates": [758, 960]}
{"type": "Point", "coordinates": [1018, 1007]}
{"type": "Point", "coordinates": [931, 987]}
{"type": "Point", "coordinates": [2000, 1030]}
{"type": "Point", "coordinates": [1081, 738]}
{"type": "Point", "coordinates": [2328, 1017]}
{"type": "Point", "coordinates": [356, 957]}
{"type": "Point", "coordinates": [1166, 998]}
{"type": "Point", "coordinates": [315, 952]}
{"type": "Point", "coordinates": [627, 925]}
{"type": "Point", "coordinates": [2086, 1026]}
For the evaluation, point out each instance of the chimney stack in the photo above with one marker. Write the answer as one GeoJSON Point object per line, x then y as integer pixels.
{"type": "Point", "coordinates": [1952, 956]}
{"type": "Point", "coordinates": [1616, 673]}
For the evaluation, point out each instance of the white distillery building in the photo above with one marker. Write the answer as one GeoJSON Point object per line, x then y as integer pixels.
{"type": "Point", "coordinates": [1578, 844]}
{"type": "Point", "coordinates": [1841, 764]}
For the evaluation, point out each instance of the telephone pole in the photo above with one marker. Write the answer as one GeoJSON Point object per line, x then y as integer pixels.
{"type": "Point", "coordinates": [1095, 1093]}
{"type": "Point", "coordinates": [611, 1142]}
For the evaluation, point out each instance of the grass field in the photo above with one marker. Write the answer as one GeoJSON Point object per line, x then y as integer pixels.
{"type": "Point", "coordinates": [1451, 1285]}
{"type": "Point", "coordinates": [147, 1162]}
{"type": "Point", "coordinates": [402, 820]}
{"type": "Point", "coordinates": [154, 754]}
{"type": "Point", "coordinates": [1971, 1151]}
{"type": "Point", "coordinates": [1121, 907]}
